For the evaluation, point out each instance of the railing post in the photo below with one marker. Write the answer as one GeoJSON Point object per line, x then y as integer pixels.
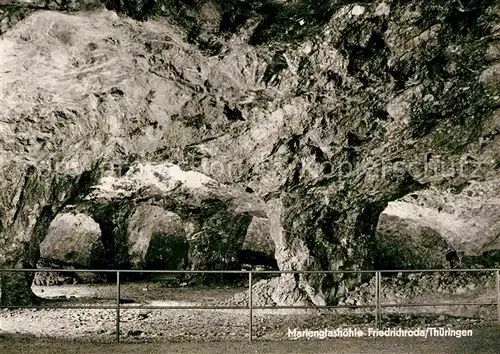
{"type": "Point", "coordinates": [118, 306]}
{"type": "Point", "coordinates": [498, 296]}
{"type": "Point", "coordinates": [250, 306]}
{"type": "Point", "coordinates": [377, 299]}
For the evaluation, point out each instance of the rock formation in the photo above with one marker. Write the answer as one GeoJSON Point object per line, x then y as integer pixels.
{"type": "Point", "coordinates": [468, 220]}
{"type": "Point", "coordinates": [73, 239]}
{"type": "Point", "coordinates": [151, 230]}
{"type": "Point", "coordinates": [157, 216]}
{"type": "Point", "coordinates": [407, 244]}
{"type": "Point", "coordinates": [314, 114]}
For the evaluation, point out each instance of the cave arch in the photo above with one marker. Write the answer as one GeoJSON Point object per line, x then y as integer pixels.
{"type": "Point", "coordinates": [438, 228]}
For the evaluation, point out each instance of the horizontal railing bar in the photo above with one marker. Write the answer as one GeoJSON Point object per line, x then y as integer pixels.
{"type": "Point", "coordinates": [451, 270]}
{"type": "Point", "coordinates": [52, 270]}
{"type": "Point", "coordinates": [295, 307]}
{"type": "Point", "coordinates": [368, 306]}
{"type": "Point", "coordinates": [243, 308]}
{"type": "Point", "coordinates": [312, 307]}
{"type": "Point", "coordinates": [442, 304]}
{"type": "Point", "coordinates": [132, 271]}
{"type": "Point", "coordinates": [82, 307]}
{"type": "Point", "coordinates": [125, 307]}
{"type": "Point", "coordinates": [129, 307]}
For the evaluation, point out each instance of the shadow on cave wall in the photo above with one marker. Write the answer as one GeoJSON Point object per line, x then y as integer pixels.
{"type": "Point", "coordinates": [278, 21]}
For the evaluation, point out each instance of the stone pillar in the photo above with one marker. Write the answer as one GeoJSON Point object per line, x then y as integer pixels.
{"type": "Point", "coordinates": [312, 233]}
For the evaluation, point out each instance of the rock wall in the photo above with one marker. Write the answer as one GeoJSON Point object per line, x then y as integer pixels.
{"type": "Point", "coordinates": [313, 114]}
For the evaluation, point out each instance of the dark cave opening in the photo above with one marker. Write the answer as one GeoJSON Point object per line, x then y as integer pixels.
{"type": "Point", "coordinates": [249, 259]}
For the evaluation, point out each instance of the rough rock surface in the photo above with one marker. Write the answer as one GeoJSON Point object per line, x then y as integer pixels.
{"type": "Point", "coordinates": [211, 217]}
{"type": "Point", "coordinates": [258, 238]}
{"type": "Point", "coordinates": [74, 239]}
{"type": "Point", "coordinates": [325, 111]}
{"type": "Point", "coordinates": [406, 244]}
{"type": "Point", "coordinates": [400, 288]}
{"type": "Point", "coordinates": [151, 230]}
{"type": "Point", "coordinates": [467, 219]}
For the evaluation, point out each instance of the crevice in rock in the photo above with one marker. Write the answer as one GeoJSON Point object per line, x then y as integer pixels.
{"type": "Point", "coordinates": [233, 115]}
{"type": "Point", "coordinates": [136, 9]}
{"type": "Point", "coordinates": [20, 203]}
{"type": "Point", "coordinates": [277, 65]}
{"type": "Point", "coordinates": [175, 247]}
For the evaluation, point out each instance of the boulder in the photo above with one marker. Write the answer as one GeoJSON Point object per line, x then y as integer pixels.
{"type": "Point", "coordinates": [406, 244]}
{"type": "Point", "coordinates": [157, 239]}
{"type": "Point", "coordinates": [74, 240]}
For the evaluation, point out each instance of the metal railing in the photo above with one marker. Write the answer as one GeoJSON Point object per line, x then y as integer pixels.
{"type": "Point", "coordinates": [377, 306]}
